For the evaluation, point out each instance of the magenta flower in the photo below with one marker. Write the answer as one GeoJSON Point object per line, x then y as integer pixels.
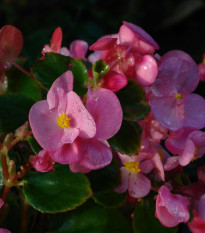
{"type": "Point", "coordinates": [86, 154]}
{"type": "Point", "coordinates": [197, 225]}
{"type": "Point", "coordinates": [42, 162]}
{"type": "Point", "coordinates": [201, 68]}
{"type": "Point", "coordinates": [3, 230]}
{"type": "Point", "coordinates": [172, 103]}
{"type": "Point", "coordinates": [1, 203]}
{"type": "Point", "coordinates": [132, 175]}
{"type": "Point", "coordinates": [171, 209]}
{"type": "Point", "coordinates": [62, 117]}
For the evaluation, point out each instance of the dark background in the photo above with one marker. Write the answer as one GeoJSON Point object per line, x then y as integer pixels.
{"type": "Point", "coordinates": [174, 24]}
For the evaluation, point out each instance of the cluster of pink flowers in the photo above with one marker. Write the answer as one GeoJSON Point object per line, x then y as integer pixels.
{"type": "Point", "coordinates": [73, 130]}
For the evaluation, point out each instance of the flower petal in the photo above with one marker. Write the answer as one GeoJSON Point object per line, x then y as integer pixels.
{"type": "Point", "coordinates": [124, 180]}
{"type": "Point", "coordinates": [78, 48]}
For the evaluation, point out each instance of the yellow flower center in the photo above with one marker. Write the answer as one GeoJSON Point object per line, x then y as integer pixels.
{"type": "Point", "coordinates": [195, 152]}
{"type": "Point", "coordinates": [132, 166]}
{"type": "Point", "coordinates": [179, 96]}
{"type": "Point", "coordinates": [63, 121]}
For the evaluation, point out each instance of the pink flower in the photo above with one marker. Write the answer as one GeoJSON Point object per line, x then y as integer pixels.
{"type": "Point", "coordinates": [171, 209]}
{"type": "Point", "coordinates": [201, 68]}
{"type": "Point", "coordinates": [197, 225]}
{"type": "Point", "coordinates": [86, 154]}
{"type": "Point", "coordinates": [62, 117]}
{"type": "Point", "coordinates": [171, 102]}
{"type": "Point", "coordinates": [132, 175]}
{"type": "Point", "coordinates": [1, 203]}
{"type": "Point", "coordinates": [130, 51]}
{"type": "Point", "coordinates": [11, 44]}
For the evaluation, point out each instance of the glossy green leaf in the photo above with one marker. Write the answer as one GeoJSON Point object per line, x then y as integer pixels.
{"type": "Point", "coordinates": [91, 218]}
{"type": "Point", "coordinates": [144, 220]}
{"type": "Point", "coordinates": [133, 102]}
{"type": "Point", "coordinates": [105, 179]}
{"type": "Point", "coordinates": [100, 68]}
{"type": "Point", "coordinates": [127, 140]}
{"type": "Point", "coordinates": [59, 191]}
{"type": "Point", "coordinates": [54, 65]}
{"type": "Point", "coordinates": [34, 144]}
{"type": "Point", "coordinates": [14, 109]}
{"type": "Point", "coordinates": [110, 199]}
{"type": "Point", "coordinates": [20, 83]}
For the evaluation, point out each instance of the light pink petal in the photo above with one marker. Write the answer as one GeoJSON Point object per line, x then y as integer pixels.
{"type": "Point", "coordinates": [98, 154]}
{"type": "Point", "coordinates": [167, 112]}
{"type": "Point", "coordinates": [146, 71]}
{"type": "Point", "coordinates": [70, 153]}
{"type": "Point", "coordinates": [124, 181]}
{"type": "Point", "coordinates": [139, 185]}
{"type": "Point", "coordinates": [139, 33]}
{"type": "Point", "coordinates": [171, 209]}
{"type": "Point", "coordinates": [56, 40]}
{"type": "Point", "coordinates": [78, 168]}
{"type": "Point", "coordinates": [171, 163]}
{"type": "Point", "coordinates": [64, 51]}
{"type": "Point", "coordinates": [106, 110]}
{"type": "Point", "coordinates": [159, 166]}
{"type": "Point", "coordinates": [78, 48]}
{"type": "Point", "coordinates": [114, 81]}
{"type": "Point", "coordinates": [194, 111]}
{"type": "Point", "coordinates": [43, 162]}
{"type": "Point", "coordinates": [126, 158]}
{"type": "Point", "coordinates": [202, 207]}
{"type": "Point", "coordinates": [188, 153]}
{"type": "Point", "coordinates": [55, 95]}
{"type": "Point", "coordinates": [80, 117]}
{"type": "Point", "coordinates": [104, 43]}
{"type": "Point", "coordinates": [146, 166]}
{"type": "Point", "coordinates": [93, 57]}
{"type": "Point", "coordinates": [44, 126]}
{"type": "Point", "coordinates": [198, 137]}
{"type": "Point", "coordinates": [70, 134]}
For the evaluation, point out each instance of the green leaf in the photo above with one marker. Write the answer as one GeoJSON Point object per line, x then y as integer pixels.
{"type": "Point", "coordinates": [144, 218]}
{"type": "Point", "coordinates": [127, 140]}
{"type": "Point", "coordinates": [133, 102]}
{"type": "Point", "coordinates": [105, 179]}
{"type": "Point", "coordinates": [91, 218]}
{"type": "Point", "coordinates": [14, 109]}
{"type": "Point", "coordinates": [54, 65]}
{"type": "Point", "coordinates": [56, 192]}
{"type": "Point", "coordinates": [20, 83]}
{"type": "Point", "coordinates": [110, 199]}
{"type": "Point", "coordinates": [34, 144]}
{"type": "Point", "coordinates": [100, 68]}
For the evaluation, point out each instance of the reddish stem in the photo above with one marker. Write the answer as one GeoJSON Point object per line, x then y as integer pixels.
{"type": "Point", "coordinates": [29, 74]}
{"type": "Point", "coordinates": [4, 167]}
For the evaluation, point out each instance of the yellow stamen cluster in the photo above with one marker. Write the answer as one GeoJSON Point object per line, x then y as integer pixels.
{"type": "Point", "coordinates": [132, 166]}
{"type": "Point", "coordinates": [179, 96]}
{"type": "Point", "coordinates": [195, 153]}
{"type": "Point", "coordinates": [63, 121]}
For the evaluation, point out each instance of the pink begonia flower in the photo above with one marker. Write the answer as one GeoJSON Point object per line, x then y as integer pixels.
{"type": "Point", "coordinates": [3, 230]}
{"type": "Point", "coordinates": [132, 175]}
{"type": "Point", "coordinates": [201, 68]}
{"type": "Point", "coordinates": [171, 102]}
{"type": "Point", "coordinates": [93, 153]}
{"type": "Point", "coordinates": [42, 162]}
{"type": "Point", "coordinates": [11, 44]}
{"type": "Point", "coordinates": [190, 145]}
{"type": "Point", "coordinates": [132, 51]}
{"type": "Point", "coordinates": [171, 209]}
{"type": "Point", "coordinates": [197, 225]}
{"type": "Point", "coordinates": [62, 117]}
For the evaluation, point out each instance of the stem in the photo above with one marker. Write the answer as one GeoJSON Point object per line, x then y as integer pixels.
{"type": "Point", "coordinates": [13, 143]}
{"type": "Point", "coordinates": [4, 166]}
{"type": "Point", "coordinates": [24, 219]}
{"type": "Point", "coordinates": [28, 74]}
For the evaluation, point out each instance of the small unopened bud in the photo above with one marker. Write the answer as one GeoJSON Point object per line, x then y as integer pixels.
{"type": "Point", "coordinates": [12, 167]}
{"type": "Point", "coordinates": [3, 83]}
{"type": "Point", "coordinates": [8, 139]}
{"type": "Point", "coordinates": [20, 132]}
